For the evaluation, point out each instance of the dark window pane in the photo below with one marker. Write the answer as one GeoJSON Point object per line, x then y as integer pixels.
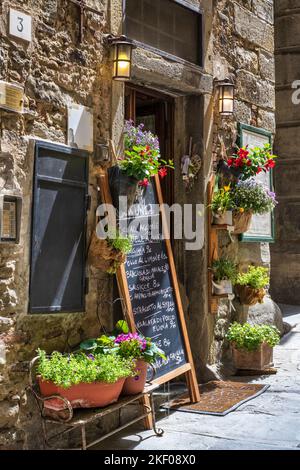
{"type": "Point", "coordinates": [165, 25]}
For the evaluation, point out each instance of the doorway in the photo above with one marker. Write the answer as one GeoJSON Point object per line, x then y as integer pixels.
{"type": "Point", "coordinates": [156, 112]}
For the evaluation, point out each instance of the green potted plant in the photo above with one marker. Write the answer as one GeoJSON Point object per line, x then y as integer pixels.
{"type": "Point", "coordinates": [222, 206]}
{"type": "Point", "coordinates": [252, 345]}
{"type": "Point", "coordinates": [140, 162]}
{"type": "Point", "coordinates": [131, 346]}
{"type": "Point", "coordinates": [224, 276]}
{"type": "Point", "coordinates": [109, 253]}
{"type": "Point", "coordinates": [251, 285]}
{"type": "Point", "coordinates": [250, 197]}
{"type": "Point", "coordinates": [86, 380]}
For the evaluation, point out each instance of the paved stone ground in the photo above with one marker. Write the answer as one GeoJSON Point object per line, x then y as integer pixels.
{"type": "Point", "coordinates": [269, 422]}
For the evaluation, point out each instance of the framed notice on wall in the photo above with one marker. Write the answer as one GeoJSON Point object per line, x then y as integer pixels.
{"type": "Point", "coordinates": [262, 226]}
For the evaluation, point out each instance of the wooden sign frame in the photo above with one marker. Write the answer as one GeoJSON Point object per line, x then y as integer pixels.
{"type": "Point", "coordinates": [187, 369]}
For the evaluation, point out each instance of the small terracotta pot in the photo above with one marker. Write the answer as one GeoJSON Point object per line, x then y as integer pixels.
{"type": "Point", "coordinates": [241, 222]}
{"type": "Point", "coordinates": [253, 360]}
{"type": "Point", "coordinates": [134, 385]}
{"type": "Point", "coordinates": [250, 296]}
{"type": "Point", "coordinates": [84, 395]}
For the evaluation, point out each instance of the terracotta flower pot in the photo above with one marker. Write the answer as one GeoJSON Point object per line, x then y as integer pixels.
{"type": "Point", "coordinates": [134, 385]}
{"type": "Point", "coordinates": [84, 395]}
{"type": "Point", "coordinates": [223, 218]}
{"type": "Point", "coordinates": [241, 222]}
{"type": "Point", "coordinates": [253, 360]}
{"type": "Point", "coordinates": [250, 296]}
{"type": "Point", "coordinates": [121, 185]}
{"type": "Point", "coordinates": [103, 256]}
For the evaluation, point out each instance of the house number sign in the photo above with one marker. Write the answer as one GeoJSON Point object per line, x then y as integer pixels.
{"type": "Point", "coordinates": [20, 25]}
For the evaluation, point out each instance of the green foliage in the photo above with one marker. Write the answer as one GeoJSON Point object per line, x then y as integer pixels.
{"type": "Point", "coordinates": [250, 337]}
{"type": "Point", "coordinates": [72, 369]}
{"type": "Point", "coordinates": [256, 277]}
{"type": "Point", "coordinates": [224, 269]}
{"type": "Point", "coordinates": [124, 344]}
{"type": "Point", "coordinates": [252, 196]}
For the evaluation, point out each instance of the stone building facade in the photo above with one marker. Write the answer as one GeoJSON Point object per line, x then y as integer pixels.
{"type": "Point", "coordinates": [55, 71]}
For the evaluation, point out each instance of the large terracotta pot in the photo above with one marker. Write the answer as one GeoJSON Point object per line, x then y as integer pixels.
{"type": "Point", "coordinates": [84, 395]}
{"type": "Point", "coordinates": [134, 385]}
{"type": "Point", "coordinates": [250, 296]}
{"type": "Point", "coordinates": [253, 360]}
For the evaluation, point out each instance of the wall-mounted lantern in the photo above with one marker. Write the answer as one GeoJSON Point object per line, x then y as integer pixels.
{"type": "Point", "coordinates": [122, 57]}
{"type": "Point", "coordinates": [226, 97]}
{"type": "Point", "coordinates": [10, 218]}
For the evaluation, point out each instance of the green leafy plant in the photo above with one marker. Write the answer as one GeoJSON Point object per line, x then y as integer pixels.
{"type": "Point", "coordinates": [251, 162]}
{"type": "Point", "coordinates": [256, 277]}
{"type": "Point", "coordinates": [253, 196]}
{"type": "Point", "coordinates": [222, 200]}
{"type": "Point", "coordinates": [66, 370]}
{"type": "Point", "coordinates": [142, 154]}
{"type": "Point", "coordinates": [224, 269]}
{"type": "Point", "coordinates": [250, 337]}
{"type": "Point", "coordinates": [125, 344]}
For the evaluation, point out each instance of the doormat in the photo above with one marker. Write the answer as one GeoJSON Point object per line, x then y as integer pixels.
{"type": "Point", "coordinates": [217, 398]}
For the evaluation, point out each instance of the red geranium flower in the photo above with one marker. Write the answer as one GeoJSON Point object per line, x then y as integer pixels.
{"type": "Point", "coordinates": [249, 163]}
{"type": "Point", "coordinates": [259, 170]}
{"type": "Point", "coordinates": [163, 172]}
{"type": "Point", "coordinates": [144, 182]}
{"type": "Point", "coordinates": [243, 153]}
{"type": "Point", "coordinates": [270, 164]}
{"type": "Point", "coordinates": [230, 162]}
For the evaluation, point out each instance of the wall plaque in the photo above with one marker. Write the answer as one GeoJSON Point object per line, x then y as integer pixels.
{"type": "Point", "coordinates": [20, 25]}
{"type": "Point", "coordinates": [11, 97]}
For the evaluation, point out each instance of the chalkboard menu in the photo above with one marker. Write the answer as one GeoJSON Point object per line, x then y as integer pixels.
{"type": "Point", "coordinates": [150, 283]}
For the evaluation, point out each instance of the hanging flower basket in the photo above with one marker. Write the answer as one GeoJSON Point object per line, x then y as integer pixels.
{"type": "Point", "coordinates": [241, 222]}
{"type": "Point", "coordinates": [250, 296]}
{"type": "Point", "coordinates": [121, 185]}
{"type": "Point", "coordinates": [103, 256]}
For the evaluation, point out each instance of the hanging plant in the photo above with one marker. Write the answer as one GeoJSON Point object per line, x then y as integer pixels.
{"type": "Point", "coordinates": [248, 163]}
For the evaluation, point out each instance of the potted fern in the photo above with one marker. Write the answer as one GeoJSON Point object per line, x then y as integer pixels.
{"type": "Point", "coordinates": [252, 345]}
{"type": "Point", "coordinates": [224, 276]}
{"type": "Point", "coordinates": [251, 285]}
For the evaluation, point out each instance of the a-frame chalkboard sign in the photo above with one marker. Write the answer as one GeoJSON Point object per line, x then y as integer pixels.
{"type": "Point", "coordinates": [148, 284]}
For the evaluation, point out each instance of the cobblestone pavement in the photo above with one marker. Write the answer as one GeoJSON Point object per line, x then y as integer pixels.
{"type": "Point", "coordinates": [269, 422]}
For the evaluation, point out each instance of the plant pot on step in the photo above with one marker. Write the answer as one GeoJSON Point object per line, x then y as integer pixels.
{"type": "Point", "coordinates": [135, 385]}
{"type": "Point", "coordinates": [83, 395]}
{"type": "Point", "coordinates": [121, 185]}
{"type": "Point", "coordinates": [222, 287]}
{"type": "Point", "coordinates": [259, 359]}
{"type": "Point", "coordinates": [103, 256]}
{"type": "Point", "coordinates": [250, 296]}
{"type": "Point", "coordinates": [241, 222]}
{"type": "Point", "coordinates": [222, 218]}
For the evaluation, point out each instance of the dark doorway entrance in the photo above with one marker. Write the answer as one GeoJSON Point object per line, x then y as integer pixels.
{"type": "Point", "coordinates": [156, 112]}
